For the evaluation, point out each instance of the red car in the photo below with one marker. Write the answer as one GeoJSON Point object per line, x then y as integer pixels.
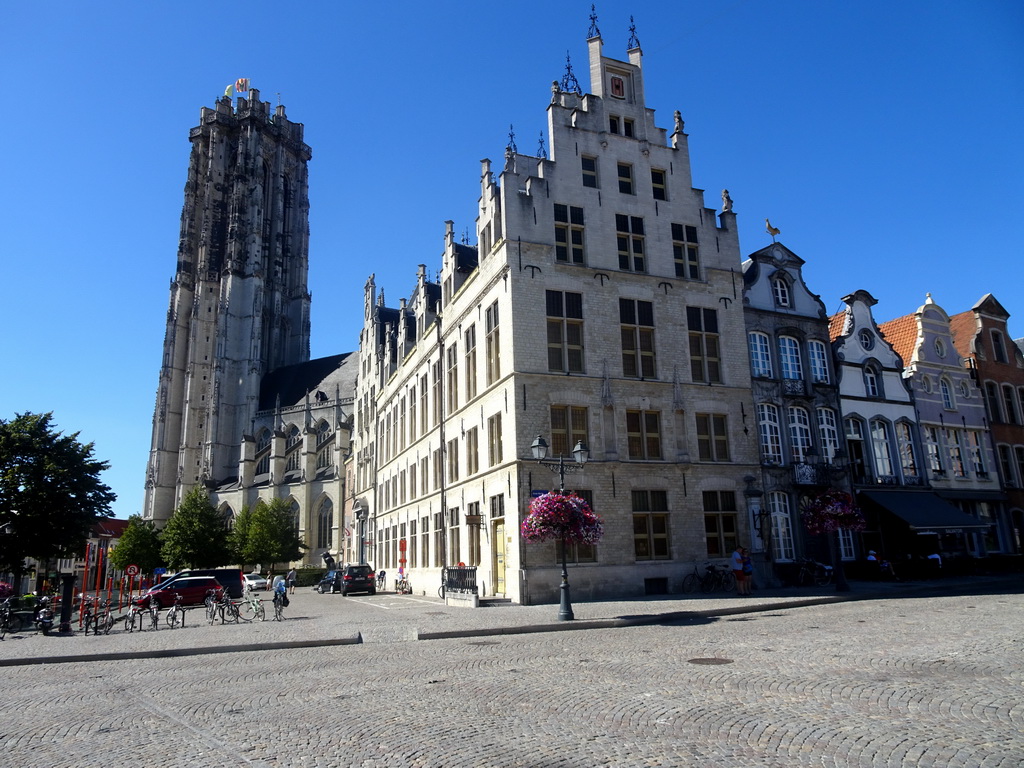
{"type": "Point", "coordinates": [192, 589]}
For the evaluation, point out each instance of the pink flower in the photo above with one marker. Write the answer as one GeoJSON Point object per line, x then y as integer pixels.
{"type": "Point", "coordinates": [555, 516]}
{"type": "Point", "coordinates": [831, 510]}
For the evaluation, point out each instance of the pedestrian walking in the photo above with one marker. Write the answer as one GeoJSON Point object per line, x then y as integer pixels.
{"type": "Point", "coordinates": [291, 578]}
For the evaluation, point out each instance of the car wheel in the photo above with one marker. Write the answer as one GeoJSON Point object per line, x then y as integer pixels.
{"type": "Point", "coordinates": [319, 589]}
{"type": "Point", "coordinates": [344, 593]}
{"type": "Point", "coordinates": [373, 592]}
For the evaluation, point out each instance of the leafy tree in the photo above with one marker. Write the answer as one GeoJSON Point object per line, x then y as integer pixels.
{"type": "Point", "coordinates": [266, 534]}
{"type": "Point", "coordinates": [139, 545]}
{"type": "Point", "coordinates": [239, 537]}
{"type": "Point", "coordinates": [50, 491]}
{"type": "Point", "coordinates": [195, 536]}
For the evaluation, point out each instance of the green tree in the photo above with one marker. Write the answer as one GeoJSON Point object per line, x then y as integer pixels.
{"type": "Point", "coordinates": [239, 537]}
{"type": "Point", "coordinates": [50, 491]}
{"type": "Point", "coordinates": [195, 536]}
{"type": "Point", "coordinates": [266, 534]}
{"type": "Point", "coordinates": [139, 545]}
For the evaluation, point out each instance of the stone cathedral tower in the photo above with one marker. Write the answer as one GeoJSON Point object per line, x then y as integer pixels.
{"type": "Point", "coordinates": [239, 304]}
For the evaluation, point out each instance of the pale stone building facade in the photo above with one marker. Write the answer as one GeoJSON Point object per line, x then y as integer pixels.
{"type": "Point", "coordinates": [602, 305]}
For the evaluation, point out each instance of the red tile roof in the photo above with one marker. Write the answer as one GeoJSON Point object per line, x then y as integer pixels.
{"type": "Point", "coordinates": [901, 333]}
{"type": "Point", "coordinates": [835, 324]}
{"type": "Point", "coordinates": [964, 327]}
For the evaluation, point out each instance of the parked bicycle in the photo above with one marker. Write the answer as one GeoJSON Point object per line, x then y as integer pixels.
{"type": "Point", "coordinates": [382, 576]}
{"type": "Point", "coordinates": [211, 605]}
{"type": "Point", "coordinates": [279, 605]}
{"type": "Point", "coordinates": [251, 607]}
{"type": "Point", "coordinates": [813, 571]}
{"type": "Point", "coordinates": [133, 619]}
{"type": "Point", "coordinates": [717, 577]}
{"type": "Point", "coordinates": [176, 615]}
{"type": "Point", "coordinates": [403, 587]}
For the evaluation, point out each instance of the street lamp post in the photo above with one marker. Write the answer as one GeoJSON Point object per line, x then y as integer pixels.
{"type": "Point", "coordinates": [580, 455]}
{"type": "Point", "coordinates": [361, 513]}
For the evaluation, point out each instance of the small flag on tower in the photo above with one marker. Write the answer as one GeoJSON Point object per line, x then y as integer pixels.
{"type": "Point", "coordinates": [229, 91]}
{"type": "Point", "coordinates": [242, 84]}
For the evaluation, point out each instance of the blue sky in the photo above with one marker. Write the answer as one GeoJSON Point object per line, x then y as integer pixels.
{"type": "Point", "coordinates": [884, 139]}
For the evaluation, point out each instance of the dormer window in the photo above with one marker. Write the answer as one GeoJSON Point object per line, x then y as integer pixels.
{"type": "Point", "coordinates": [780, 290]}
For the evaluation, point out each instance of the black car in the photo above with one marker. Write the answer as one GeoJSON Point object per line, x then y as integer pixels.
{"type": "Point", "coordinates": [357, 578]}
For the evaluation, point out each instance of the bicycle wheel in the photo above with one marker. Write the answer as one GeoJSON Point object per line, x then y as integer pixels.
{"type": "Point", "coordinates": [690, 583]}
{"type": "Point", "coordinates": [822, 576]}
{"type": "Point", "coordinates": [247, 611]}
{"type": "Point", "coordinates": [707, 583]}
{"type": "Point", "coordinates": [728, 582]}
{"type": "Point", "coordinates": [129, 621]}
{"type": "Point", "coordinates": [260, 613]}
{"type": "Point", "coordinates": [278, 610]}
{"type": "Point", "coordinates": [440, 591]}
{"type": "Point", "coordinates": [108, 624]}
{"type": "Point", "coordinates": [88, 624]}
{"type": "Point", "coordinates": [173, 618]}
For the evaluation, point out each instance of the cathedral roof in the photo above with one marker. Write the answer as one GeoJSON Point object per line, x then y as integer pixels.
{"type": "Point", "coordinates": [289, 384]}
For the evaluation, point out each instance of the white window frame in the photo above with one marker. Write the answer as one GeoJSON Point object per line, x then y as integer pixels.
{"type": "Point", "coordinates": [760, 354]}
{"type": "Point", "coordinates": [818, 355]}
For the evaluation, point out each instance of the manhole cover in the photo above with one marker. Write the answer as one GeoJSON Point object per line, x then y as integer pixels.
{"type": "Point", "coordinates": [710, 661]}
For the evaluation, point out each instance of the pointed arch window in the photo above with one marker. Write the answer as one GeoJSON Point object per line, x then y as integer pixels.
{"type": "Point", "coordinates": [325, 524]}
{"type": "Point", "coordinates": [295, 516]}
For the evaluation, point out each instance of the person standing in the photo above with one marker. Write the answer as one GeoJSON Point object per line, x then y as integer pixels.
{"type": "Point", "coordinates": [736, 562]}
{"type": "Point", "coordinates": [291, 578]}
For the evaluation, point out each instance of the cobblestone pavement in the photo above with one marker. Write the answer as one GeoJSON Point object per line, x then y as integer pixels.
{"type": "Point", "coordinates": [916, 679]}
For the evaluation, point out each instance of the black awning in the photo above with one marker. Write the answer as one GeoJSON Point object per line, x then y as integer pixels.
{"type": "Point", "coordinates": [923, 510]}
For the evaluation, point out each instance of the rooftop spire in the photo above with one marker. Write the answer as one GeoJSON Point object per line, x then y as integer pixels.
{"type": "Point", "coordinates": [634, 41]}
{"type": "Point", "coordinates": [569, 82]}
{"type": "Point", "coordinates": [593, 31]}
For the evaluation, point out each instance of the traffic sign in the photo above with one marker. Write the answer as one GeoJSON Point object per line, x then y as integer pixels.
{"type": "Point", "coordinates": [159, 571]}
{"type": "Point", "coordinates": [132, 570]}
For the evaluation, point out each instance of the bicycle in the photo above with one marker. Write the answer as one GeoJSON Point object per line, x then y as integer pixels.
{"type": "Point", "coordinates": [691, 581]}
{"type": "Point", "coordinates": [9, 620]}
{"type": "Point", "coordinates": [381, 578]}
{"type": "Point", "coordinates": [87, 617]}
{"type": "Point", "coordinates": [813, 571]}
{"type": "Point", "coordinates": [133, 619]}
{"type": "Point", "coordinates": [279, 598]}
{"type": "Point", "coordinates": [104, 619]}
{"type": "Point", "coordinates": [211, 605]}
{"type": "Point", "coordinates": [251, 608]}
{"type": "Point", "coordinates": [402, 586]}
{"type": "Point", "coordinates": [717, 577]}
{"type": "Point", "coordinates": [176, 616]}
{"type": "Point", "coordinates": [154, 613]}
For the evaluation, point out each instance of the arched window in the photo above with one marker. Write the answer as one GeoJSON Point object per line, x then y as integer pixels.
{"type": "Point", "coordinates": [294, 435]}
{"type": "Point", "coordinates": [881, 449]}
{"type": "Point", "coordinates": [295, 515]}
{"type": "Point", "coordinates": [782, 526]}
{"type": "Point", "coordinates": [293, 448]}
{"type": "Point", "coordinates": [789, 358]}
{"type": "Point", "coordinates": [325, 524]}
{"type": "Point", "coordinates": [905, 443]}
{"type": "Point", "coordinates": [872, 385]}
{"type": "Point", "coordinates": [770, 433]}
{"type": "Point", "coordinates": [799, 434]}
{"type": "Point", "coordinates": [323, 432]}
{"type": "Point", "coordinates": [780, 292]}
{"type": "Point", "coordinates": [818, 354]}
{"type": "Point", "coordinates": [760, 355]}
{"type": "Point", "coordinates": [228, 516]}
{"type": "Point", "coordinates": [828, 433]}
{"type": "Point", "coordinates": [947, 394]}
{"type": "Point", "coordinates": [263, 452]}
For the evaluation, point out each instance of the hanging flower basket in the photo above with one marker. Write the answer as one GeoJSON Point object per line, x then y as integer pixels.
{"type": "Point", "coordinates": [556, 516]}
{"type": "Point", "coordinates": [831, 510]}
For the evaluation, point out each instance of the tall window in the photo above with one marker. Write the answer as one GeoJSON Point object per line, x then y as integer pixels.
{"type": "Point", "coordinates": [650, 525]}
{"type": "Point", "coordinates": [412, 480]}
{"type": "Point", "coordinates": [705, 358]}
{"type": "Point", "coordinates": [625, 178]}
{"type": "Point", "coordinates": [569, 234]}
{"type": "Point", "coordinates": [453, 460]}
{"type": "Point", "coordinates": [492, 344]}
{"type": "Point", "coordinates": [425, 541]}
{"type": "Point", "coordinates": [770, 433]}
{"type": "Point", "coordinates": [413, 548]}
{"type": "Point", "coordinates": [760, 355]}
{"type": "Point", "coordinates": [630, 241]}
{"type": "Point", "coordinates": [871, 384]}
{"type": "Point", "coordinates": [780, 292]}
{"type": "Point", "coordinates": [1010, 405]}
{"type": "Point", "coordinates": [454, 553]}
{"type": "Point", "coordinates": [905, 444]}
{"type": "Point", "coordinates": [712, 438]}
{"type": "Point", "coordinates": [782, 526]}
{"type": "Point", "coordinates": [1006, 465]}
{"type": "Point", "coordinates": [998, 347]}
{"type": "Point", "coordinates": [470, 339]}
{"type": "Point", "coordinates": [720, 529]}
{"type": "Point", "coordinates": [684, 251]}
{"type": "Point", "coordinates": [472, 451]}
{"type": "Point", "coordinates": [947, 394]}
{"type": "Point", "coordinates": [799, 433]}
{"type": "Point", "coordinates": [855, 444]}
{"type": "Point", "coordinates": [452, 378]}
{"type": "Point", "coordinates": [494, 440]}
{"type": "Point", "coordinates": [819, 362]}
{"type": "Point", "coordinates": [435, 391]}
{"type": "Point", "coordinates": [643, 433]}
{"type": "Point", "coordinates": [325, 524]}
{"type": "Point", "coordinates": [637, 330]}
{"type": "Point", "coordinates": [956, 453]}
{"type": "Point", "coordinates": [977, 453]}
{"type": "Point", "coordinates": [931, 447]}
{"type": "Point", "coordinates": [294, 449]}
{"type": "Point", "coordinates": [438, 461]}
{"type": "Point", "coordinates": [828, 434]}
{"type": "Point", "coordinates": [425, 475]}
{"type": "Point", "coordinates": [789, 358]}
{"type": "Point", "coordinates": [659, 189]}
{"type": "Point", "coordinates": [992, 402]}
{"type": "Point", "coordinates": [473, 511]}
{"type": "Point", "coordinates": [881, 448]}
{"type": "Point", "coordinates": [589, 166]}
{"type": "Point", "coordinates": [565, 331]}
{"type": "Point", "coordinates": [424, 410]}
{"type": "Point", "coordinates": [568, 426]}
{"type": "Point", "coordinates": [439, 555]}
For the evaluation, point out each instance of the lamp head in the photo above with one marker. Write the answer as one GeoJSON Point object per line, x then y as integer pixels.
{"type": "Point", "coordinates": [539, 448]}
